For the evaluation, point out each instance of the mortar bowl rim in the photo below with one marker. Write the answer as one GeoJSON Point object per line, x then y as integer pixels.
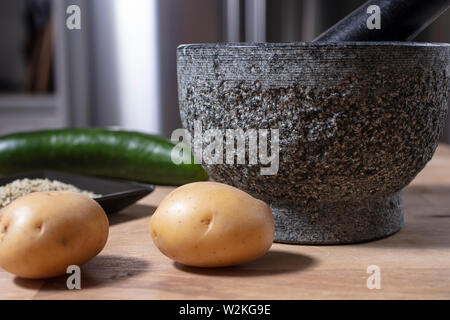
{"type": "Point", "coordinates": [298, 45]}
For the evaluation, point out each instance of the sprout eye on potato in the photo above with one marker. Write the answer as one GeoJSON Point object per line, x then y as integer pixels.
{"type": "Point", "coordinates": [43, 233]}
{"type": "Point", "coordinates": [209, 224]}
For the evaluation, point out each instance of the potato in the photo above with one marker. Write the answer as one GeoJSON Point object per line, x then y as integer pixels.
{"type": "Point", "coordinates": [209, 224]}
{"type": "Point", "coordinates": [42, 233]}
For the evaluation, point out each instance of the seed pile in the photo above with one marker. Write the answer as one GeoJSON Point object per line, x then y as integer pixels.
{"type": "Point", "coordinates": [22, 187]}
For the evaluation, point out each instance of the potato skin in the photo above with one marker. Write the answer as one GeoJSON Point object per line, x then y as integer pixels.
{"type": "Point", "coordinates": [41, 234]}
{"type": "Point", "coordinates": [210, 224]}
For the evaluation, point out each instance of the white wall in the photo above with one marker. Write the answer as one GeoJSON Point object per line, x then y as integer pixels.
{"type": "Point", "coordinates": [137, 62]}
{"type": "Point", "coordinates": [124, 64]}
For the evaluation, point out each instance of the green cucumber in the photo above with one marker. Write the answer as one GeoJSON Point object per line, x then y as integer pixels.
{"type": "Point", "coordinates": [98, 152]}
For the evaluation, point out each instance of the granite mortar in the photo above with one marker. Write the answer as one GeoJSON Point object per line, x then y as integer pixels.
{"type": "Point", "coordinates": [357, 121]}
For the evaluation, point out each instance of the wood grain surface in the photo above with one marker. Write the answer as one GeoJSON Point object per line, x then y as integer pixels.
{"type": "Point", "coordinates": [414, 263]}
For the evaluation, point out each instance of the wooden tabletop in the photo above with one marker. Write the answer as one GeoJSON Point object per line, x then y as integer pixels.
{"type": "Point", "coordinates": [414, 263]}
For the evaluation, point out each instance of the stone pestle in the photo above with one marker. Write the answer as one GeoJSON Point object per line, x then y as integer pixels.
{"type": "Point", "coordinates": [399, 20]}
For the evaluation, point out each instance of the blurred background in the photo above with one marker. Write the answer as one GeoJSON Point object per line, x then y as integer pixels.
{"type": "Point", "coordinates": [120, 68]}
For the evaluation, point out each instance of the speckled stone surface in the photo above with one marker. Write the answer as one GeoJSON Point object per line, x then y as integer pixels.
{"type": "Point", "coordinates": [357, 122]}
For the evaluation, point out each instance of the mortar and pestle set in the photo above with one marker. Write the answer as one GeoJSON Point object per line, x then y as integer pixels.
{"type": "Point", "coordinates": [359, 114]}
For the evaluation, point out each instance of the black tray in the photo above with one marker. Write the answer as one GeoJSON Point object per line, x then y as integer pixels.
{"type": "Point", "coordinates": [116, 194]}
